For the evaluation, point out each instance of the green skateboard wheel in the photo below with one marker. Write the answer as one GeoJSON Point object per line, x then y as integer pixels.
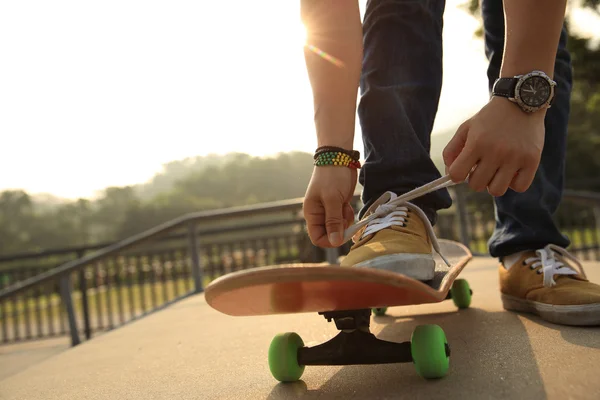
{"type": "Point", "coordinates": [283, 357]}
{"type": "Point", "coordinates": [428, 349]}
{"type": "Point", "coordinates": [461, 293]}
{"type": "Point", "coordinates": [379, 311]}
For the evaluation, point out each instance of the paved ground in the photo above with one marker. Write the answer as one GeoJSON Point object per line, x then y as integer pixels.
{"type": "Point", "coordinates": [17, 357]}
{"type": "Point", "coordinates": [190, 351]}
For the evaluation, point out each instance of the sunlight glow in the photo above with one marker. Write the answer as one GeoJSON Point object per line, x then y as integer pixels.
{"type": "Point", "coordinates": [100, 94]}
{"type": "Point", "coordinates": [302, 34]}
{"type": "Point", "coordinates": [335, 61]}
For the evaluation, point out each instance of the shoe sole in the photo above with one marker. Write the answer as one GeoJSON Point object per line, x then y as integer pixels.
{"type": "Point", "coordinates": [416, 266]}
{"type": "Point", "coordinates": [575, 315]}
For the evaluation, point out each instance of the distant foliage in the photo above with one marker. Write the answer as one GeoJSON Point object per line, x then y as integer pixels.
{"type": "Point", "coordinates": [174, 171]}
{"type": "Point", "coordinates": [189, 185]}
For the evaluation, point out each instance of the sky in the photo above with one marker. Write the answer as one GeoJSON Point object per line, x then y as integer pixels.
{"type": "Point", "coordinates": [97, 94]}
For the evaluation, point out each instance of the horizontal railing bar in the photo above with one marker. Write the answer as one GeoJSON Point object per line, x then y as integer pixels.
{"type": "Point", "coordinates": [290, 221]}
{"type": "Point", "coordinates": [572, 195]}
{"type": "Point", "coordinates": [71, 250]}
{"type": "Point", "coordinates": [278, 206]}
{"type": "Point", "coordinates": [55, 252]}
{"type": "Point", "coordinates": [582, 196]}
{"type": "Point", "coordinates": [161, 230]}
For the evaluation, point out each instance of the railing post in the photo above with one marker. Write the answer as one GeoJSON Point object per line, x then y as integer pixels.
{"type": "Point", "coordinates": [195, 257]}
{"type": "Point", "coordinates": [85, 305]}
{"type": "Point", "coordinates": [66, 291]}
{"type": "Point", "coordinates": [461, 208]}
{"type": "Point", "coordinates": [596, 211]}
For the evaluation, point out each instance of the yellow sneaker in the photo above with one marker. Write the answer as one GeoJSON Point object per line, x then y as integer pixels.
{"type": "Point", "coordinates": [551, 283]}
{"type": "Point", "coordinates": [400, 240]}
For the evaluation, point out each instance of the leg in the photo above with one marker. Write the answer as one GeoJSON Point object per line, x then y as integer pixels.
{"type": "Point", "coordinates": [524, 220]}
{"type": "Point", "coordinates": [400, 88]}
{"type": "Point", "coordinates": [538, 280]}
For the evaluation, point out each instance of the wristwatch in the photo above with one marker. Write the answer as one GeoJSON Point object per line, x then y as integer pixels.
{"type": "Point", "coordinates": [532, 92]}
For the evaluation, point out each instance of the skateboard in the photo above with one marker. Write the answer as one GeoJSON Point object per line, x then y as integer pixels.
{"type": "Point", "coordinates": [348, 296]}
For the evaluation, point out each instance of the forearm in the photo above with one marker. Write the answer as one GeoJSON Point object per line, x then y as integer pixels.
{"type": "Point", "coordinates": [532, 33]}
{"type": "Point", "coordinates": [333, 27]}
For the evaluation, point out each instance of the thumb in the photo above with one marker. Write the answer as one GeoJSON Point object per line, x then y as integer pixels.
{"type": "Point", "coordinates": [334, 220]}
{"type": "Point", "coordinates": [456, 144]}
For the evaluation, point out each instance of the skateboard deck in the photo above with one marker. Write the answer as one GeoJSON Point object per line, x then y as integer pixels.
{"type": "Point", "coordinates": [299, 288]}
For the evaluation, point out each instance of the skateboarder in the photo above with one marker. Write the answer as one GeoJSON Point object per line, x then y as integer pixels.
{"type": "Point", "coordinates": [513, 149]}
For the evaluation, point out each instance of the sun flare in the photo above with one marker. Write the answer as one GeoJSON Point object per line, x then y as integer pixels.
{"type": "Point", "coordinates": [301, 34]}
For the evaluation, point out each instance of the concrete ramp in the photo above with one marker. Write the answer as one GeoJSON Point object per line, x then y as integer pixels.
{"type": "Point", "coordinates": [190, 351]}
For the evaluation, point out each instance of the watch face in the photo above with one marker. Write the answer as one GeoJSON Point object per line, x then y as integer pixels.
{"type": "Point", "coordinates": [535, 91]}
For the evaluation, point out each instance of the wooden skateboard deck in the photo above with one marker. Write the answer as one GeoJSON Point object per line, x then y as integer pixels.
{"type": "Point", "coordinates": [298, 288]}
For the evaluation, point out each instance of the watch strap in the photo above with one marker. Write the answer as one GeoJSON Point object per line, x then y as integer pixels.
{"type": "Point", "coordinates": [505, 87]}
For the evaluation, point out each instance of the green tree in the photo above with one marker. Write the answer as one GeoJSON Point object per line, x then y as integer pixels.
{"type": "Point", "coordinates": [16, 220]}
{"type": "Point", "coordinates": [111, 211]}
{"type": "Point", "coordinates": [239, 180]}
{"type": "Point", "coordinates": [583, 142]}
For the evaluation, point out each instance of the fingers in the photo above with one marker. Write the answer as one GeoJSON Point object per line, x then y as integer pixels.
{"type": "Point", "coordinates": [502, 179]}
{"type": "Point", "coordinates": [314, 215]}
{"type": "Point", "coordinates": [462, 166]}
{"type": "Point", "coordinates": [327, 210]}
{"type": "Point", "coordinates": [334, 220]}
{"type": "Point", "coordinates": [476, 154]}
{"type": "Point", "coordinates": [460, 155]}
{"type": "Point", "coordinates": [348, 215]}
{"type": "Point", "coordinates": [326, 221]}
{"type": "Point", "coordinates": [523, 179]}
{"type": "Point", "coordinates": [482, 175]}
{"type": "Point", "coordinates": [455, 145]}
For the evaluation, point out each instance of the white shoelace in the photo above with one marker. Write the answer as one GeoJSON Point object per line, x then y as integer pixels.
{"type": "Point", "coordinates": [551, 266]}
{"type": "Point", "coordinates": [397, 216]}
{"type": "Point", "coordinates": [396, 209]}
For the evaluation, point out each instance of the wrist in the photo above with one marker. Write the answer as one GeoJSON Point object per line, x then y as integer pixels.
{"type": "Point", "coordinates": [336, 156]}
{"type": "Point", "coordinates": [509, 69]}
{"type": "Point", "coordinates": [514, 108]}
{"type": "Point", "coordinates": [532, 92]}
{"type": "Point", "coordinates": [334, 142]}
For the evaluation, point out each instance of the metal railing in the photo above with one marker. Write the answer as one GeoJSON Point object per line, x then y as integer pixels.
{"type": "Point", "coordinates": [123, 281]}
{"type": "Point", "coordinates": [146, 272]}
{"type": "Point", "coordinates": [578, 217]}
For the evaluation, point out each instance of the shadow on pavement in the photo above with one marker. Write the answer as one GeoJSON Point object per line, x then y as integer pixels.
{"type": "Point", "coordinates": [491, 358]}
{"type": "Point", "coordinates": [577, 335]}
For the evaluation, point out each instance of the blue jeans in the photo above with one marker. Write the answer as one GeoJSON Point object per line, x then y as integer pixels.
{"type": "Point", "coordinates": [400, 88]}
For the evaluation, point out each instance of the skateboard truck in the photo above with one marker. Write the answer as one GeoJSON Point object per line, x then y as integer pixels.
{"type": "Point", "coordinates": [427, 349]}
{"type": "Point", "coordinates": [355, 344]}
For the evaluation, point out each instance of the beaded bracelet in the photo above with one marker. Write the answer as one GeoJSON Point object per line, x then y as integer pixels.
{"type": "Point", "coordinates": [354, 154]}
{"type": "Point", "coordinates": [336, 158]}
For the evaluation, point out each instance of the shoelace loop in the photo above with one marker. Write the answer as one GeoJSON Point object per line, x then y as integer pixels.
{"type": "Point", "coordinates": [404, 199]}
{"type": "Point", "coordinates": [394, 215]}
{"type": "Point", "coordinates": [551, 266]}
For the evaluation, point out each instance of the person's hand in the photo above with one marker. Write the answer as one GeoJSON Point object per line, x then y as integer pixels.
{"type": "Point", "coordinates": [327, 208]}
{"type": "Point", "coordinates": [503, 144]}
